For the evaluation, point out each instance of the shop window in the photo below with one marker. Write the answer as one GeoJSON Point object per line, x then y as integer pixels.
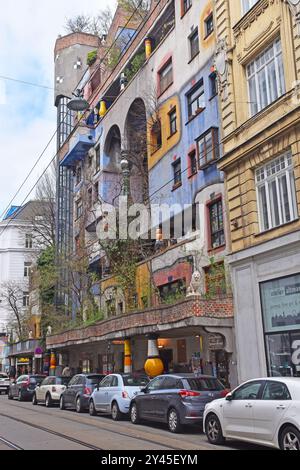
{"type": "Point", "coordinates": [265, 77]}
{"type": "Point", "coordinates": [194, 43]}
{"type": "Point", "coordinates": [177, 173]}
{"type": "Point", "coordinates": [276, 192]}
{"type": "Point", "coordinates": [165, 77]}
{"type": "Point", "coordinates": [195, 99]}
{"type": "Point", "coordinates": [209, 25]}
{"type": "Point", "coordinates": [208, 148]}
{"type": "Point", "coordinates": [216, 224]}
{"type": "Point", "coordinates": [173, 121]}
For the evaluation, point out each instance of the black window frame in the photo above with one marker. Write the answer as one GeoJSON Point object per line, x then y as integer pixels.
{"type": "Point", "coordinates": [214, 131]}
{"type": "Point", "coordinates": [191, 99]}
{"type": "Point", "coordinates": [177, 173]}
{"type": "Point", "coordinates": [213, 84]}
{"type": "Point", "coordinates": [209, 21]}
{"type": "Point", "coordinates": [166, 81]}
{"type": "Point", "coordinates": [192, 163]}
{"type": "Point", "coordinates": [220, 232]}
{"type": "Point", "coordinates": [192, 42]}
{"type": "Point", "coordinates": [172, 121]}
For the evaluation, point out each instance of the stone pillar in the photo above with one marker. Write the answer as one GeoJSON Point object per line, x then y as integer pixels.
{"type": "Point", "coordinates": [127, 357]}
{"type": "Point", "coordinates": [153, 365]}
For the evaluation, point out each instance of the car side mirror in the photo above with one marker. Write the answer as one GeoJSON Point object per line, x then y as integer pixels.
{"type": "Point", "coordinates": [144, 390]}
{"type": "Point", "coordinates": [229, 397]}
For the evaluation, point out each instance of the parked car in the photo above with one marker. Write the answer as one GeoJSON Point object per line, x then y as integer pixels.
{"type": "Point", "coordinates": [175, 399]}
{"type": "Point", "coordinates": [263, 411]}
{"type": "Point", "coordinates": [114, 394]}
{"type": "Point", "coordinates": [50, 390]}
{"type": "Point", "coordinates": [23, 388]}
{"type": "Point", "coordinates": [4, 383]}
{"type": "Point", "coordinates": [78, 392]}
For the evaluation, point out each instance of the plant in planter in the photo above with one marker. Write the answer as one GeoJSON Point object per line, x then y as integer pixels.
{"type": "Point", "coordinates": [91, 58]}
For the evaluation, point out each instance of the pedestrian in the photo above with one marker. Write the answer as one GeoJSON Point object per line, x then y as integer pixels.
{"type": "Point", "coordinates": [66, 372]}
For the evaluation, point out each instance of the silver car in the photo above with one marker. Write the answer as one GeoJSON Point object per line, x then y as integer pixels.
{"type": "Point", "coordinates": [4, 383]}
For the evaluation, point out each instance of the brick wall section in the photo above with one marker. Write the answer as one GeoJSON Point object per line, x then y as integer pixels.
{"type": "Point", "coordinates": [72, 39]}
{"type": "Point", "coordinates": [167, 314]}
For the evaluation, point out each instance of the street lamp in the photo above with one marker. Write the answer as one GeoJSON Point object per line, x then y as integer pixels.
{"type": "Point", "coordinates": [78, 103]}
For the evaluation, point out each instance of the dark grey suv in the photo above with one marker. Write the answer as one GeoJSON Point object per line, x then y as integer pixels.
{"type": "Point", "coordinates": [175, 399]}
{"type": "Point", "coordinates": [78, 392]}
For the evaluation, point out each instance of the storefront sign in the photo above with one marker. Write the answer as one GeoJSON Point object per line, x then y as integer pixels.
{"type": "Point", "coordinates": [23, 360]}
{"type": "Point", "coordinates": [280, 301]}
{"type": "Point", "coordinates": [216, 342]}
{"type": "Point", "coordinates": [38, 353]}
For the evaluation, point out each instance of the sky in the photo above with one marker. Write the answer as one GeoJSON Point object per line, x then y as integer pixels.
{"type": "Point", "coordinates": [28, 30]}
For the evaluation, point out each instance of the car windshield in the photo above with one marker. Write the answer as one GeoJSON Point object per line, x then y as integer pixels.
{"type": "Point", "coordinates": [62, 380]}
{"type": "Point", "coordinates": [94, 379]}
{"type": "Point", "coordinates": [36, 379]}
{"type": "Point", "coordinates": [3, 376]}
{"type": "Point", "coordinates": [203, 384]}
{"type": "Point", "coordinates": [135, 381]}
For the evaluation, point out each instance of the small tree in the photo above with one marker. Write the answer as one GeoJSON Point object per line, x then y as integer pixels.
{"type": "Point", "coordinates": [12, 295]}
{"type": "Point", "coordinates": [97, 25]}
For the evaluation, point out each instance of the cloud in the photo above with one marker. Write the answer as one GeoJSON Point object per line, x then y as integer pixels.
{"type": "Point", "coordinates": [28, 30]}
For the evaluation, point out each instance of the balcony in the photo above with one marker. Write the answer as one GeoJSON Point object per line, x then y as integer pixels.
{"type": "Point", "coordinates": [24, 348]}
{"type": "Point", "coordinates": [78, 151]}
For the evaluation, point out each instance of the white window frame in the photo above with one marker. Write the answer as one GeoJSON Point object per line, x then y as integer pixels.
{"type": "Point", "coordinates": [27, 268]}
{"type": "Point", "coordinates": [267, 174]}
{"type": "Point", "coordinates": [28, 241]}
{"type": "Point", "coordinates": [257, 69]}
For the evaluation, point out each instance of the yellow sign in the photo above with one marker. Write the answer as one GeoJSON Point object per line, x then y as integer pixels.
{"type": "Point", "coordinates": [22, 360]}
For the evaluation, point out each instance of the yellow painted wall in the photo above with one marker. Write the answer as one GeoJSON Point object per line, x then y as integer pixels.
{"type": "Point", "coordinates": [167, 143]}
{"type": "Point", "coordinates": [142, 283]}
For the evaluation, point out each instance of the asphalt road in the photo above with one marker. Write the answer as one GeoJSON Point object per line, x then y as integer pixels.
{"type": "Point", "coordinates": [28, 427]}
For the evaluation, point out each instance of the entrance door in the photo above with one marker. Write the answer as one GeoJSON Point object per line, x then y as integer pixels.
{"type": "Point", "coordinates": [222, 364]}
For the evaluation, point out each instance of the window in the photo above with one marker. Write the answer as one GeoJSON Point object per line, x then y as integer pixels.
{"type": "Point", "coordinates": [79, 208]}
{"type": "Point", "coordinates": [209, 25]}
{"type": "Point", "coordinates": [27, 267]}
{"type": "Point", "coordinates": [247, 4]}
{"type": "Point", "coordinates": [194, 43]}
{"type": "Point", "coordinates": [276, 391]}
{"type": "Point", "coordinates": [195, 100]}
{"type": "Point", "coordinates": [248, 391]}
{"type": "Point", "coordinates": [216, 224]}
{"type": "Point", "coordinates": [155, 384]}
{"type": "Point", "coordinates": [165, 77]}
{"type": "Point", "coordinates": [192, 163]}
{"type": "Point", "coordinates": [98, 159]}
{"type": "Point", "coordinates": [213, 85]}
{"type": "Point", "coordinates": [28, 241]}
{"type": "Point", "coordinates": [25, 299]}
{"type": "Point", "coordinates": [78, 174]}
{"type": "Point", "coordinates": [156, 136]}
{"type": "Point", "coordinates": [186, 5]}
{"type": "Point", "coordinates": [208, 147]}
{"type": "Point", "coordinates": [173, 121]}
{"type": "Point", "coordinates": [265, 76]}
{"type": "Point", "coordinates": [172, 290]}
{"type": "Point", "coordinates": [276, 194]}
{"type": "Point", "coordinates": [177, 172]}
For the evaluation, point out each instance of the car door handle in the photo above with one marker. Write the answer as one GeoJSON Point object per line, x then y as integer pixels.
{"type": "Point", "coordinates": [248, 406]}
{"type": "Point", "coordinates": [280, 407]}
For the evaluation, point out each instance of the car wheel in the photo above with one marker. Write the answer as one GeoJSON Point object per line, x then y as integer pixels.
{"type": "Point", "coordinates": [34, 399]}
{"type": "Point", "coordinates": [92, 409]}
{"type": "Point", "coordinates": [62, 405]}
{"type": "Point", "coordinates": [9, 396]}
{"type": "Point", "coordinates": [48, 401]}
{"type": "Point", "coordinates": [20, 396]}
{"type": "Point", "coordinates": [134, 414]}
{"type": "Point", "coordinates": [79, 408]}
{"type": "Point", "coordinates": [289, 439]}
{"type": "Point", "coordinates": [174, 421]}
{"type": "Point", "coordinates": [213, 430]}
{"type": "Point", "coordinates": [115, 412]}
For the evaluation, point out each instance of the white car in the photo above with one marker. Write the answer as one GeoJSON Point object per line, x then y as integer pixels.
{"type": "Point", "coordinates": [4, 383]}
{"type": "Point", "coordinates": [114, 394]}
{"type": "Point", "coordinates": [50, 390]}
{"type": "Point", "coordinates": [261, 411]}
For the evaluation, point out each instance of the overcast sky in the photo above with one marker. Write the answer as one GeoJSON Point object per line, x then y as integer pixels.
{"type": "Point", "coordinates": [28, 30]}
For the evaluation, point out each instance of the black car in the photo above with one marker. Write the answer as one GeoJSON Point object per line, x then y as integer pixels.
{"type": "Point", "coordinates": [23, 388]}
{"type": "Point", "coordinates": [175, 399]}
{"type": "Point", "coordinates": [79, 391]}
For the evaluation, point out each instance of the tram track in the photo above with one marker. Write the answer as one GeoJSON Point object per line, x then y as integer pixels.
{"type": "Point", "coordinates": [10, 444]}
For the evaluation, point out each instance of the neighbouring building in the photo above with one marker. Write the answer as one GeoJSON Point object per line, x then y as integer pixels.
{"type": "Point", "coordinates": [153, 133]}
{"type": "Point", "coordinates": [258, 47]}
{"type": "Point", "coordinates": [19, 248]}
